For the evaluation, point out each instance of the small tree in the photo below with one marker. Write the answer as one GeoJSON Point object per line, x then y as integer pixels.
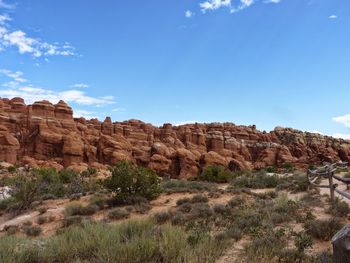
{"type": "Point", "coordinates": [128, 181]}
{"type": "Point", "coordinates": [216, 174]}
{"type": "Point", "coordinates": [24, 191]}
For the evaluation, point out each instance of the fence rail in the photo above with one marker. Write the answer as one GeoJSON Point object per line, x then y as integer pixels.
{"type": "Point", "coordinates": [328, 171]}
{"type": "Point", "coordinates": [341, 241]}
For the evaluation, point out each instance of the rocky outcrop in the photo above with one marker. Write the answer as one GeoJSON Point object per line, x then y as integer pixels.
{"type": "Point", "coordinates": [47, 134]}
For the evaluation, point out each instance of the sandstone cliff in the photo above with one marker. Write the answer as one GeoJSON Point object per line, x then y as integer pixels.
{"type": "Point", "coordinates": [47, 133]}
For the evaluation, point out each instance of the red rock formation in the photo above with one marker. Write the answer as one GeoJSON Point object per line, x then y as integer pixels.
{"type": "Point", "coordinates": [46, 134]}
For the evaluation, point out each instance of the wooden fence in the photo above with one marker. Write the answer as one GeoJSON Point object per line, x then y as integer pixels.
{"type": "Point", "coordinates": [341, 240]}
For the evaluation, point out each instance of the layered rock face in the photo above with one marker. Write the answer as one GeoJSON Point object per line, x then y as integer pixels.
{"type": "Point", "coordinates": [47, 133]}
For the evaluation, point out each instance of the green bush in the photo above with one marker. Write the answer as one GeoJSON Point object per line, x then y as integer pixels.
{"type": "Point", "coordinates": [323, 229]}
{"type": "Point", "coordinates": [128, 181]}
{"type": "Point", "coordinates": [74, 209]}
{"type": "Point", "coordinates": [216, 174]}
{"type": "Point", "coordinates": [162, 217]}
{"type": "Point", "coordinates": [199, 199]}
{"type": "Point", "coordinates": [42, 220]}
{"type": "Point", "coordinates": [257, 181]}
{"type": "Point", "coordinates": [181, 186]}
{"type": "Point", "coordinates": [339, 208]}
{"type": "Point", "coordinates": [72, 220]}
{"type": "Point", "coordinates": [32, 231]}
{"type": "Point", "coordinates": [302, 241]}
{"type": "Point", "coordinates": [118, 213]}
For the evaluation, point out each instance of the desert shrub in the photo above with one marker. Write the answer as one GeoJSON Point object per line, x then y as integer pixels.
{"type": "Point", "coordinates": [177, 218]}
{"type": "Point", "coordinates": [7, 203]}
{"type": "Point", "coordinates": [27, 223]}
{"type": "Point", "coordinates": [142, 208]}
{"type": "Point", "coordinates": [236, 202]}
{"type": "Point", "coordinates": [118, 213]}
{"type": "Point", "coordinates": [11, 230]}
{"type": "Point", "coordinates": [67, 176]}
{"type": "Point", "coordinates": [221, 209]}
{"type": "Point", "coordinates": [131, 241]}
{"type": "Point", "coordinates": [200, 210]}
{"type": "Point", "coordinates": [98, 200]}
{"type": "Point", "coordinates": [234, 232]}
{"type": "Point", "coordinates": [288, 167]}
{"type": "Point", "coordinates": [310, 200]}
{"type": "Point", "coordinates": [271, 169]}
{"type": "Point", "coordinates": [162, 217]}
{"type": "Point", "coordinates": [283, 205]}
{"type": "Point", "coordinates": [181, 186]}
{"type": "Point", "coordinates": [216, 174]}
{"type": "Point", "coordinates": [128, 180]}
{"type": "Point", "coordinates": [32, 231]}
{"type": "Point", "coordinates": [265, 247]}
{"type": "Point", "coordinates": [339, 208]}
{"type": "Point", "coordinates": [258, 180]}
{"type": "Point", "coordinates": [324, 257]}
{"type": "Point", "coordinates": [302, 241]}
{"type": "Point", "coordinates": [74, 209]}
{"type": "Point", "coordinates": [185, 208]}
{"type": "Point", "coordinates": [72, 220]}
{"type": "Point", "coordinates": [199, 199]}
{"type": "Point", "coordinates": [183, 201]}
{"type": "Point", "coordinates": [42, 220]}
{"type": "Point", "coordinates": [42, 210]}
{"type": "Point", "coordinates": [24, 191]}
{"type": "Point", "coordinates": [323, 229]}
{"type": "Point", "coordinates": [12, 169]}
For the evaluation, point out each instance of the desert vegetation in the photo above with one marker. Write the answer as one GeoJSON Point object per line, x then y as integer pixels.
{"type": "Point", "coordinates": [132, 215]}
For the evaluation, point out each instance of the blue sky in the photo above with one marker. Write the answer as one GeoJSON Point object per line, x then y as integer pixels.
{"type": "Point", "coordinates": [264, 62]}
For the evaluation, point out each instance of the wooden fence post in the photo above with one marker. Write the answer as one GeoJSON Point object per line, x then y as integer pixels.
{"type": "Point", "coordinates": [331, 186]}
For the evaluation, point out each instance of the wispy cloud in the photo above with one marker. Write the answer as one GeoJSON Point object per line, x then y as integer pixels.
{"type": "Point", "coordinates": [272, 1]}
{"type": "Point", "coordinates": [4, 18]}
{"type": "Point", "coordinates": [184, 123]}
{"type": "Point", "coordinates": [25, 44]}
{"type": "Point", "coordinates": [341, 136]}
{"type": "Point", "coordinates": [345, 120]}
{"type": "Point", "coordinates": [233, 6]}
{"type": "Point", "coordinates": [18, 86]}
{"type": "Point", "coordinates": [214, 4]}
{"type": "Point", "coordinates": [80, 85]}
{"type": "Point", "coordinates": [333, 17]}
{"type": "Point", "coordinates": [85, 114]}
{"type": "Point", "coordinates": [118, 110]}
{"type": "Point", "coordinates": [5, 5]}
{"type": "Point", "coordinates": [189, 14]}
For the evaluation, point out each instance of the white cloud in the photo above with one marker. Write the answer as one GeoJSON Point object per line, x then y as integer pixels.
{"type": "Point", "coordinates": [244, 4]}
{"type": "Point", "coordinates": [118, 109]}
{"type": "Point", "coordinates": [85, 114]}
{"type": "Point", "coordinates": [184, 123]}
{"type": "Point", "coordinates": [333, 17]}
{"type": "Point", "coordinates": [214, 4]}
{"type": "Point", "coordinates": [25, 44]}
{"type": "Point", "coordinates": [18, 86]}
{"type": "Point", "coordinates": [189, 14]}
{"type": "Point", "coordinates": [5, 5]}
{"type": "Point", "coordinates": [4, 18]}
{"type": "Point", "coordinates": [16, 76]}
{"type": "Point", "coordinates": [345, 120]}
{"type": "Point", "coordinates": [272, 1]}
{"type": "Point", "coordinates": [342, 136]}
{"type": "Point", "coordinates": [80, 85]}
